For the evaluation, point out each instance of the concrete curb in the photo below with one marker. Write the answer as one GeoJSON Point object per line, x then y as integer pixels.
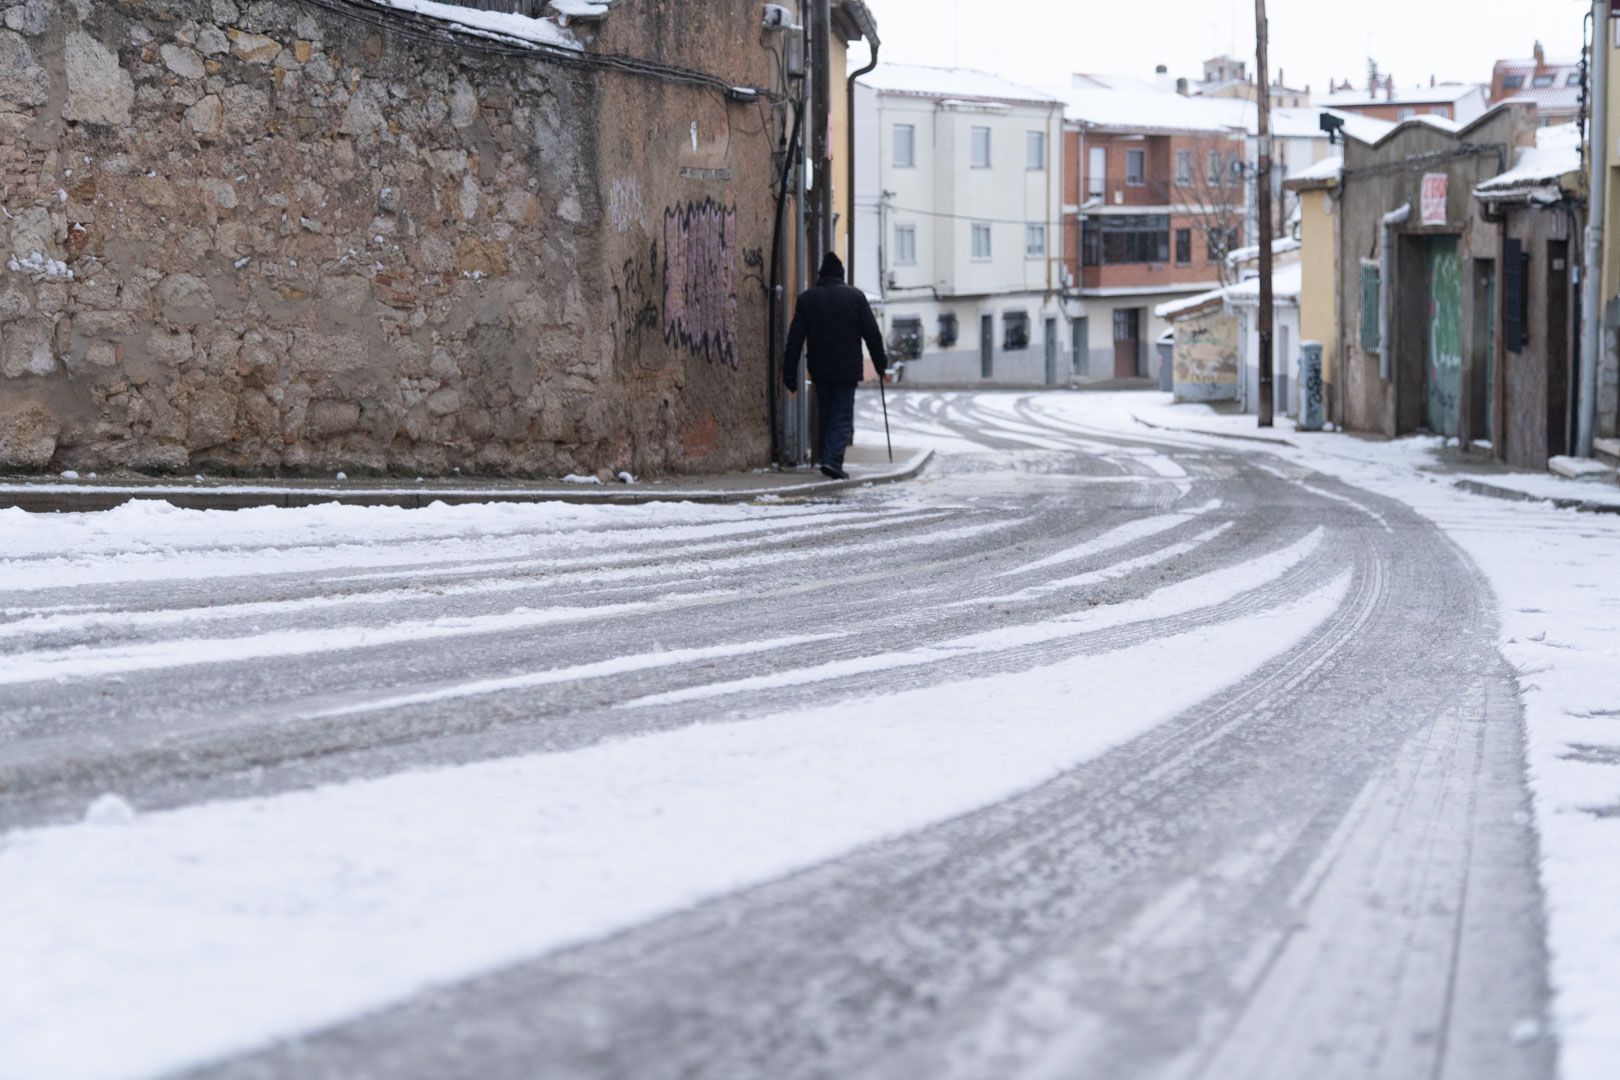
{"type": "Point", "coordinates": [1493, 491]}
{"type": "Point", "coordinates": [55, 497]}
{"type": "Point", "coordinates": [1214, 434]}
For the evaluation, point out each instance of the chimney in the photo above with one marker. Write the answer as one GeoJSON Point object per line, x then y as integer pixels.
{"type": "Point", "coordinates": [1541, 56]}
{"type": "Point", "coordinates": [1183, 88]}
{"type": "Point", "coordinates": [1389, 88]}
{"type": "Point", "coordinates": [1161, 78]}
{"type": "Point", "coordinates": [1280, 78]}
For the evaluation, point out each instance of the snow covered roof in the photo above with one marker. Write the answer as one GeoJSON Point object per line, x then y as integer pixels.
{"type": "Point", "coordinates": [497, 24]}
{"type": "Point", "coordinates": [1286, 283]}
{"type": "Point", "coordinates": [1242, 255]}
{"type": "Point", "coordinates": [961, 84]}
{"type": "Point", "coordinates": [1327, 169]}
{"type": "Point", "coordinates": [1084, 80]}
{"type": "Point", "coordinates": [1189, 304]}
{"type": "Point", "coordinates": [1367, 129]}
{"type": "Point", "coordinates": [1443, 93]}
{"type": "Point", "coordinates": [1555, 158]}
{"type": "Point", "coordinates": [1153, 110]}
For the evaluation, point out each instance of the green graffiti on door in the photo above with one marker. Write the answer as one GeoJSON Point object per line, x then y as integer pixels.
{"type": "Point", "coordinates": [1445, 337]}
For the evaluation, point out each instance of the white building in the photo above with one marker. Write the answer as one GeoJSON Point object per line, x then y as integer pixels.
{"type": "Point", "coordinates": [958, 200]}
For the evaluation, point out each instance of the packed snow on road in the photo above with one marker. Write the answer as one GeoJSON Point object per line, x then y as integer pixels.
{"type": "Point", "coordinates": [1109, 745]}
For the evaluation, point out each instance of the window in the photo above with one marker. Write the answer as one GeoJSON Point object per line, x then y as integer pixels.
{"type": "Point", "coordinates": [1097, 172]}
{"type": "Point", "coordinates": [906, 339]}
{"type": "Point", "coordinates": [1183, 166]}
{"type": "Point", "coordinates": [1541, 82]}
{"type": "Point", "coordinates": [1015, 331]}
{"type": "Point", "coordinates": [1214, 164]}
{"type": "Point", "coordinates": [981, 242]}
{"type": "Point", "coordinates": [1136, 167]}
{"type": "Point", "coordinates": [905, 245]}
{"type": "Point", "coordinates": [1369, 306]}
{"type": "Point", "coordinates": [905, 146]}
{"type": "Point", "coordinates": [1440, 110]}
{"type": "Point", "coordinates": [1183, 247]}
{"type": "Point", "coordinates": [981, 148]}
{"type": "Point", "coordinates": [1404, 114]}
{"type": "Point", "coordinates": [1035, 150]}
{"type": "Point", "coordinates": [948, 331]}
{"type": "Point", "coordinates": [1574, 79]}
{"type": "Point", "coordinates": [1117, 239]}
{"type": "Point", "coordinates": [1512, 82]}
{"type": "Point", "coordinates": [1034, 241]}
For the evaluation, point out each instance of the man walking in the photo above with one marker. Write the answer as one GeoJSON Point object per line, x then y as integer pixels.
{"type": "Point", "coordinates": [834, 318]}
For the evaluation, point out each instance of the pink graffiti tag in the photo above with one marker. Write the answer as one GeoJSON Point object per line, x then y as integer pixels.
{"type": "Point", "coordinates": [700, 305]}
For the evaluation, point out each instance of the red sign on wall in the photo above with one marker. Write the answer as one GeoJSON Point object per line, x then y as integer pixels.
{"type": "Point", "coordinates": [1434, 198]}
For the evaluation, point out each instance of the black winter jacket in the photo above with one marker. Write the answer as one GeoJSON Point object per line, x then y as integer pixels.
{"type": "Point", "coordinates": [834, 318]}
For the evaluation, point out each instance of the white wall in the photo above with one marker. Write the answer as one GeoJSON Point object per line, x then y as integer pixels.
{"type": "Point", "coordinates": [942, 196]}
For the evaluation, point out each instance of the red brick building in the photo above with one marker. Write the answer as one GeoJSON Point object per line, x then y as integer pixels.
{"type": "Point", "coordinates": [1154, 198]}
{"type": "Point", "coordinates": [1554, 85]}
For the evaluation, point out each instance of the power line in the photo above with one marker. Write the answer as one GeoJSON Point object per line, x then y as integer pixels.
{"type": "Point", "coordinates": [970, 217]}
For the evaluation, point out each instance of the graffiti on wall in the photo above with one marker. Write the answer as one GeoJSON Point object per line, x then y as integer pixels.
{"type": "Point", "coordinates": [700, 302]}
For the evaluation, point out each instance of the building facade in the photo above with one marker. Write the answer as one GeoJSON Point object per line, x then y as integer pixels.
{"type": "Point", "coordinates": [958, 211]}
{"type": "Point", "coordinates": [1418, 266]}
{"type": "Point", "coordinates": [1155, 198]}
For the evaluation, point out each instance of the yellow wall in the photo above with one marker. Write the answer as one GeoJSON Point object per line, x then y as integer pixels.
{"type": "Point", "coordinates": [838, 103]}
{"type": "Point", "coordinates": [1319, 294]}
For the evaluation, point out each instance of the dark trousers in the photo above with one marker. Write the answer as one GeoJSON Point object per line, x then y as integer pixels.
{"type": "Point", "coordinates": [835, 410]}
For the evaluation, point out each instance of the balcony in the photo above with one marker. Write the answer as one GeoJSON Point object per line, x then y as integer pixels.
{"type": "Point", "coordinates": [1123, 193]}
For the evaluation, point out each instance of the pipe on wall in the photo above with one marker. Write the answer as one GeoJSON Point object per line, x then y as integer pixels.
{"type": "Point", "coordinates": [1591, 331]}
{"type": "Point", "coordinates": [1386, 271]}
{"type": "Point", "coordinates": [849, 151]}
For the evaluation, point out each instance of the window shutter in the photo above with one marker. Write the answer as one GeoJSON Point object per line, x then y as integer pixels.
{"type": "Point", "coordinates": [1369, 307]}
{"type": "Point", "coordinates": [1515, 295]}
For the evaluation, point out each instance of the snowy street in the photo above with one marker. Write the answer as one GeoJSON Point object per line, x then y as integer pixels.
{"type": "Point", "coordinates": [1098, 750]}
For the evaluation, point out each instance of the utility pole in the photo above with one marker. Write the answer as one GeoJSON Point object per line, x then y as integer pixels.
{"type": "Point", "coordinates": [1263, 178]}
{"type": "Point", "coordinates": [1592, 282]}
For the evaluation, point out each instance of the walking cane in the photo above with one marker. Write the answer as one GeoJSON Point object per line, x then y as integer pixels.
{"type": "Point", "coordinates": [882, 378]}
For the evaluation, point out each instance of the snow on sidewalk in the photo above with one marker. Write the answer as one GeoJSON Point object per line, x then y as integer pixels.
{"type": "Point", "coordinates": [1556, 576]}
{"type": "Point", "coordinates": [141, 944]}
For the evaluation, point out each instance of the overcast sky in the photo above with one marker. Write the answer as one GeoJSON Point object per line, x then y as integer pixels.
{"type": "Point", "coordinates": [1041, 41]}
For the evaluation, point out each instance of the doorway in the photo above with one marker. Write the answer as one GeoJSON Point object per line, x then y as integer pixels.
{"type": "Point", "coordinates": [987, 345]}
{"type": "Point", "coordinates": [1051, 352]}
{"type": "Point", "coordinates": [1443, 367]}
{"type": "Point", "coordinates": [1127, 342]}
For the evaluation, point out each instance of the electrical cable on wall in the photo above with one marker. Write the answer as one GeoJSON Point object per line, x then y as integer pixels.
{"type": "Point", "coordinates": [425, 28]}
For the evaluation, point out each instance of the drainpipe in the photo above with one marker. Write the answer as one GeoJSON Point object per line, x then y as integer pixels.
{"type": "Point", "coordinates": [870, 33]}
{"type": "Point", "coordinates": [1386, 271]}
{"type": "Point", "coordinates": [1592, 286]}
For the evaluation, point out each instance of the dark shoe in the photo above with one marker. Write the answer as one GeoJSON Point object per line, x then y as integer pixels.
{"type": "Point", "coordinates": [833, 472]}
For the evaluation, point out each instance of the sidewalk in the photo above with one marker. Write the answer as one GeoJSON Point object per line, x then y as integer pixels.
{"type": "Point", "coordinates": [1472, 472]}
{"type": "Point", "coordinates": [866, 465]}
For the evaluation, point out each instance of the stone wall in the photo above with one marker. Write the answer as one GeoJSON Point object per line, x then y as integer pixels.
{"type": "Point", "coordinates": [278, 237]}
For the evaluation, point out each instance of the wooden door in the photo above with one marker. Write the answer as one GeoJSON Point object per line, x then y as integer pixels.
{"type": "Point", "coordinates": [1127, 342]}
